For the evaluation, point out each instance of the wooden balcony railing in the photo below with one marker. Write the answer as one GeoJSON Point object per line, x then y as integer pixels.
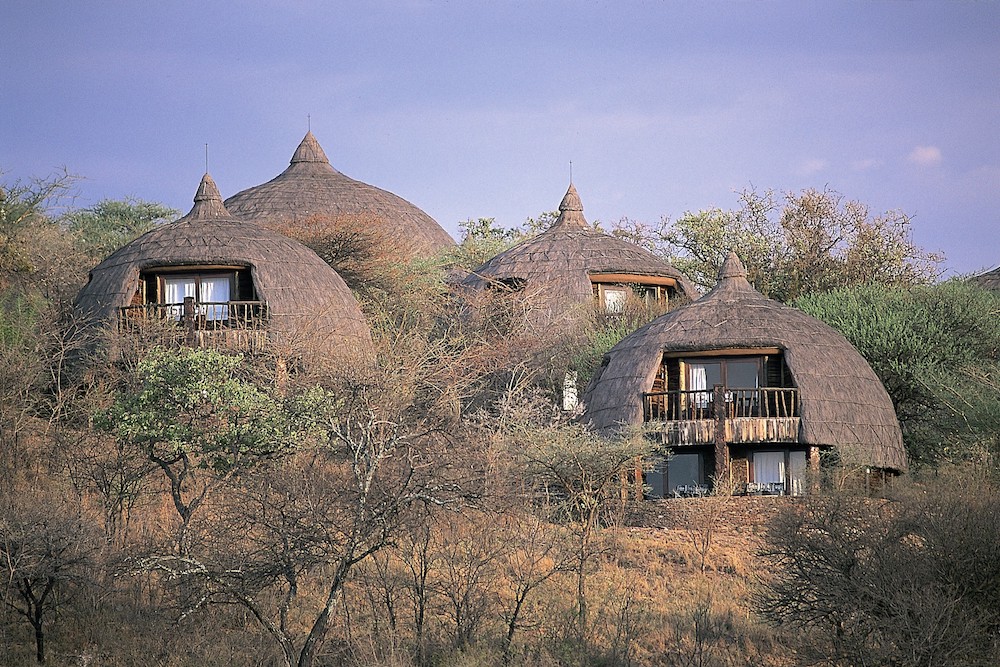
{"type": "Point", "coordinates": [693, 405]}
{"type": "Point", "coordinates": [723, 415]}
{"type": "Point", "coordinates": [192, 315]}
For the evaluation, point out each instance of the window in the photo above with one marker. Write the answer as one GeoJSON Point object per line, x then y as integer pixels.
{"type": "Point", "coordinates": [684, 470]}
{"type": "Point", "coordinates": [769, 467]}
{"type": "Point", "coordinates": [780, 472]}
{"type": "Point", "coordinates": [614, 299]}
{"type": "Point", "coordinates": [613, 290]}
{"type": "Point", "coordinates": [682, 474]}
{"type": "Point", "coordinates": [735, 373]}
{"type": "Point", "coordinates": [211, 291]}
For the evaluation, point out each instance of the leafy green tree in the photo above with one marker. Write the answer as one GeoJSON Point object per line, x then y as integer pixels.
{"type": "Point", "coordinates": [793, 243]}
{"type": "Point", "coordinates": [199, 417]}
{"type": "Point", "coordinates": [108, 225]}
{"type": "Point", "coordinates": [483, 239]}
{"type": "Point", "coordinates": [936, 349]}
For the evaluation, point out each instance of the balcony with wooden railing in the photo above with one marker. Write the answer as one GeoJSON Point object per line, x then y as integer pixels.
{"type": "Point", "coordinates": [732, 415]}
{"type": "Point", "coordinates": [230, 324]}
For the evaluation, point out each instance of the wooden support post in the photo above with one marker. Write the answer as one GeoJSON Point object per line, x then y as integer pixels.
{"type": "Point", "coordinates": [190, 320]}
{"type": "Point", "coordinates": [722, 481]}
{"type": "Point", "coordinates": [814, 470]}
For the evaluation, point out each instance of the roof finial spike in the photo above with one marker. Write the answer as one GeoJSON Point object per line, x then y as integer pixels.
{"type": "Point", "coordinates": [206, 158]}
{"type": "Point", "coordinates": [571, 172]}
{"type": "Point", "coordinates": [732, 267]}
{"type": "Point", "coordinates": [309, 122]}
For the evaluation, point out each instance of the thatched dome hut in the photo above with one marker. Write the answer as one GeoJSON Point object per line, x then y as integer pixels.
{"type": "Point", "coordinates": [570, 263]}
{"type": "Point", "coordinates": [788, 381]}
{"type": "Point", "coordinates": [311, 187]}
{"type": "Point", "coordinates": [236, 273]}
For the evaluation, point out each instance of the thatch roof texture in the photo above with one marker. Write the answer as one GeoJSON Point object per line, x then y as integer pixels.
{"type": "Point", "coordinates": [988, 280]}
{"type": "Point", "coordinates": [304, 295]}
{"type": "Point", "coordinates": [311, 187]}
{"type": "Point", "coordinates": [843, 403]}
{"type": "Point", "coordinates": [559, 261]}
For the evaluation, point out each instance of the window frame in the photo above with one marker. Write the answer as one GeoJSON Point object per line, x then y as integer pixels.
{"type": "Point", "coordinates": [654, 290]}
{"type": "Point", "coordinates": [791, 485]}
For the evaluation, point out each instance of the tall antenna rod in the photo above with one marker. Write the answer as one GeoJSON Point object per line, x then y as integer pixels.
{"type": "Point", "coordinates": [206, 158]}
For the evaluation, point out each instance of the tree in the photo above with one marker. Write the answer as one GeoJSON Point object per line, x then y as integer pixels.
{"type": "Point", "coordinates": [905, 581]}
{"type": "Point", "coordinates": [37, 257]}
{"type": "Point", "coordinates": [111, 223]}
{"type": "Point", "coordinates": [354, 245]}
{"type": "Point", "coordinates": [482, 239]}
{"type": "Point", "coordinates": [792, 243]}
{"type": "Point", "coordinates": [537, 551]}
{"type": "Point", "coordinates": [936, 349]}
{"type": "Point", "coordinates": [46, 547]}
{"type": "Point", "coordinates": [584, 476]}
{"type": "Point", "coordinates": [199, 417]}
{"type": "Point", "coordinates": [309, 519]}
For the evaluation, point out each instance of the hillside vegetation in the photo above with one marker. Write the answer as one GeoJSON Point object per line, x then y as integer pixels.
{"type": "Point", "coordinates": [167, 506]}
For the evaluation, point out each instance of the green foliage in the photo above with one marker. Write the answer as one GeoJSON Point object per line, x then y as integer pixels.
{"type": "Point", "coordinates": [108, 225]}
{"type": "Point", "coordinates": [600, 337]}
{"type": "Point", "coordinates": [20, 315]}
{"type": "Point", "coordinates": [792, 244]}
{"type": "Point", "coordinates": [202, 403]}
{"type": "Point", "coordinates": [36, 255]}
{"type": "Point", "coordinates": [937, 351]}
{"type": "Point", "coordinates": [482, 239]}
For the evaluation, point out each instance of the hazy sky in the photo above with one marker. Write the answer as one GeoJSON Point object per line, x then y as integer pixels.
{"type": "Point", "coordinates": [475, 109]}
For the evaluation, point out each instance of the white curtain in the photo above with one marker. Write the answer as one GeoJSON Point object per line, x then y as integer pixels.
{"type": "Point", "coordinates": [769, 467]}
{"type": "Point", "coordinates": [174, 292]}
{"type": "Point", "coordinates": [614, 300]}
{"type": "Point", "coordinates": [216, 291]}
{"type": "Point", "coordinates": [698, 376]}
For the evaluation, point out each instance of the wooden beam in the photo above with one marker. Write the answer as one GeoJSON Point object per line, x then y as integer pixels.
{"type": "Point", "coordinates": [632, 279]}
{"type": "Point", "coordinates": [730, 352]}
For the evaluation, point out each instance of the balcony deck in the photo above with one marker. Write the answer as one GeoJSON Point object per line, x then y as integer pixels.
{"type": "Point", "coordinates": [760, 415]}
{"type": "Point", "coordinates": [240, 325]}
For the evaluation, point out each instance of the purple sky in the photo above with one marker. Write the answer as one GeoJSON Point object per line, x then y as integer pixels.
{"type": "Point", "coordinates": [475, 109]}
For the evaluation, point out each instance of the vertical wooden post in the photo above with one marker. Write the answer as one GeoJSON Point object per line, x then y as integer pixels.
{"type": "Point", "coordinates": [721, 446]}
{"type": "Point", "coordinates": [814, 471]}
{"type": "Point", "coordinates": [190, 321]}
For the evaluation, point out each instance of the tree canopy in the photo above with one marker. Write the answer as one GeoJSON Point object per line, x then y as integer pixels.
{"type": "Point", "coordinates": [936, 349]}
{"type": "Point", "coordinates": [111, 223]}
{"type": "Point", "coordinates": [792, 243]}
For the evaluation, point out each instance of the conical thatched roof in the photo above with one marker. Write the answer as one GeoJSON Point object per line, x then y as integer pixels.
{"type": "Point", "coordinates": [310, 187]}
{"type": "Point", "coordinates": [302, 293]}
{"type": "Point", "coordinates": [559, 261]}
{"type": "Point", "coordinates": [843, 403]}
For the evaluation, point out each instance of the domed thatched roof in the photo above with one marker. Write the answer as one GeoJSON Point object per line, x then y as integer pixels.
{"type": "Point", "coordinates": [310, 186]}
{"type": "Point", "coordinates": [842, 401]}
{"type": "Point", "coordinates": [989, 280]}
{"type": "Point", "coordinates": [564, 256]}
{"type": "Point", "coordinates": [302, 293]}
